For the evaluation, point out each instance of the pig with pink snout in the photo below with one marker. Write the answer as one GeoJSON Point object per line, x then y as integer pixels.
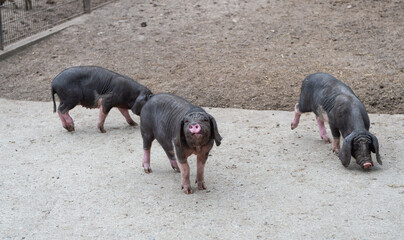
{"type": "Point", "coordinates": [334, 102]}
{"type": "Point", "coordinates": [182, 129]}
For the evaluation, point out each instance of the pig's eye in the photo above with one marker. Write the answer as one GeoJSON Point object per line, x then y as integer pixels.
{"type": "Point", "coordinates": [186, 121]}
{"type": "Point", "coordinates": [205, 119]}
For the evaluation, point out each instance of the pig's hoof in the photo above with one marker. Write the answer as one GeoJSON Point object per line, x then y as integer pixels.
{"type": "Point", "coordinates": [187, 189]}
{"type": "Point", "coordinates": [293, 125]}
{"type": "Point", "coordinates": [133, 123]}
{"type": "Point", "coordinates": [146, 167]}
{"type": "Point", "coordinates": [326, 139]}
{"type": "Point", "coordinates": [336, 151]}
{"type": "Point", "coordinates": [70, 128]}
{"type": "Point", "coordinates": [174, 165]}
{"type": "Point", "coordinates": [201, 185]}
{"type": "Point", "coordinates": [102, 130]}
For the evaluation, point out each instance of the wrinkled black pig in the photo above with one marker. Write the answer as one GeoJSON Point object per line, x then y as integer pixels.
{"type": "Point", "coordinates": [181, 129]}
{"type": "Point", "coordinates": [96, 87]}
{"type": "Point", "coordinates": [334, 102]}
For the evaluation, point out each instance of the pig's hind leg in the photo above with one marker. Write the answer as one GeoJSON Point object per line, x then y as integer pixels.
{"type": "Point", "coordinates": [129, 120]}
{"type": "Point", "coordinates": [67, 121]}
{"type": "Point", "coordinates": [296, 119]}
{"type": "Point", "coordinates": [146, 161]}
{"type": "Point", "coordinates": [171, 156]}
{"type": "Point", "coordinates": [147, 142]}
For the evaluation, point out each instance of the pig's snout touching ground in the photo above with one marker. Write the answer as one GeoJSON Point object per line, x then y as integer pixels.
{"type": "Point", "coordinates": [360, 145]}
{"type": "Point", "coordinates": [367, 165]}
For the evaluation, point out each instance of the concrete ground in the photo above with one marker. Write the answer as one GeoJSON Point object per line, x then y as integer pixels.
{"type": "Point", "coordinates": [264, 182]}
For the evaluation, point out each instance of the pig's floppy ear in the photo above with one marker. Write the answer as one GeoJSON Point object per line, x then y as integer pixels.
{"type": "Point", "coordinates": [214, 131]}
{"type": "Point", "coordinates": [179, 140]}
{"type": "Point", "coordinates": [181, 129]}
{"type": "Point", "coordinates": [140, 102]}
{"type": "Point", "coordinates": [345, 153]}
{"type": "Point", "coordinates": [374, 147]}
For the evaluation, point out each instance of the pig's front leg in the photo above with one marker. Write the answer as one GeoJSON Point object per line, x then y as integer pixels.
{"type": "Point", "coordinates": [171, 156]}
{"type": "Point", "coordinates": [102, 116]}
{"type": "Point", "coordinates": [101, 120]}
{"type": "Point", "coordinates": [336, 136]}
{"type": "Point", "coordinates": [185, 182]}
{"type": "Point", "coordinates": [323, 131]}
{"type": "Point", "coordinates": [129, 120]}
{"type": "Point", "coordinates": [335, 145]}
{"type": "Point", "coordinates": [200, 168]}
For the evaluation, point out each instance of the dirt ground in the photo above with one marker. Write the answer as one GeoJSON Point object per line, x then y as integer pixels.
{"type": "Point", "coordinates": [264, 181]}
{"type": "Point", "coordinates": [240, 54]}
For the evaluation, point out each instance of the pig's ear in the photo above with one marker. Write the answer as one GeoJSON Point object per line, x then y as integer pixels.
{"type": "Point", "coordinates": [345, 153]}
{"type": "Point", "coordinates": [214, 131]}
{"type": "Point", "coordinates": [182, 134]}
{"type": "Point", "coordinates": [179, 140]}
{"type": "Point", "coordinates": [374, 147]}
{"type": "Point", "coordinates": [140, 101]}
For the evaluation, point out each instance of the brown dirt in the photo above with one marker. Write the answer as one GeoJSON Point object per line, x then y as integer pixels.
{"type": "Point", "coordinates": [242, 54]}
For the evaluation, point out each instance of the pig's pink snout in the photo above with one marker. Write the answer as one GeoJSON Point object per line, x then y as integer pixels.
{"type": "Point", "coordinates": [367, 165]}
{"type": "Point", "coordinates": [195, 128]}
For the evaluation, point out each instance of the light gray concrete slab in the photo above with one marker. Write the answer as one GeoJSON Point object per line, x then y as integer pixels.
{"type": "Point", "coordinates": [264, 182]}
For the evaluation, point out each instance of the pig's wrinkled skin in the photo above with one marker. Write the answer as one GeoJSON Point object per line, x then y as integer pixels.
{"type": "Point", "coordinates": [181, 129]}
{"type": "Point", "coordinates": [333, 101]}
{"type": "Point", "coordinates": [96, 87]}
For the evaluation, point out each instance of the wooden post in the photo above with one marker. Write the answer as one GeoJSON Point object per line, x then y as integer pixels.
{"type": "Point", "coordinates": [1, 33]}
{"type": "Point", "coordinates": [87, 6]}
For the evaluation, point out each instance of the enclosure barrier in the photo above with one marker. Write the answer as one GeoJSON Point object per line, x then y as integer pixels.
{"type": "Point", "coordinates": [22, 18]}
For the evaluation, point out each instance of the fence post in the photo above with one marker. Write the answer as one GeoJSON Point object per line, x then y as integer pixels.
{"type": "Point", "coordinates": [87, 6]}
{"type": "Point", "coordinates": [1, 32]}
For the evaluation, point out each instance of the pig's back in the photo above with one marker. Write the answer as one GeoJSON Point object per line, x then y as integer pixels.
{"type": "Point", "coordinates": [86, 77]}
{"type": "Point", "coordinates": [321, 89]}
{"type": "Point", "coordinates": [162, 115]}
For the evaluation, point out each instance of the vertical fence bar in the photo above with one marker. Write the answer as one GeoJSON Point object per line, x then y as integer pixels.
{"type": "Point", "coordinates": [87, 6]}
{"type": "Point", "coordinates": [1, 32]}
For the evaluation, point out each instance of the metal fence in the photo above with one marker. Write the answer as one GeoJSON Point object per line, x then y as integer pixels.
{"type": "Point", "coordinates": [22, 18]}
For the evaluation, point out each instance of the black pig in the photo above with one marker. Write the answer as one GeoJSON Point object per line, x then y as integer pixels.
{"type": "Point", "coordinates": [96, 87]}
{"type": "Point", "coordinates": [334, 102]}
{"type": "Point", "coordinates": [181, 129]}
